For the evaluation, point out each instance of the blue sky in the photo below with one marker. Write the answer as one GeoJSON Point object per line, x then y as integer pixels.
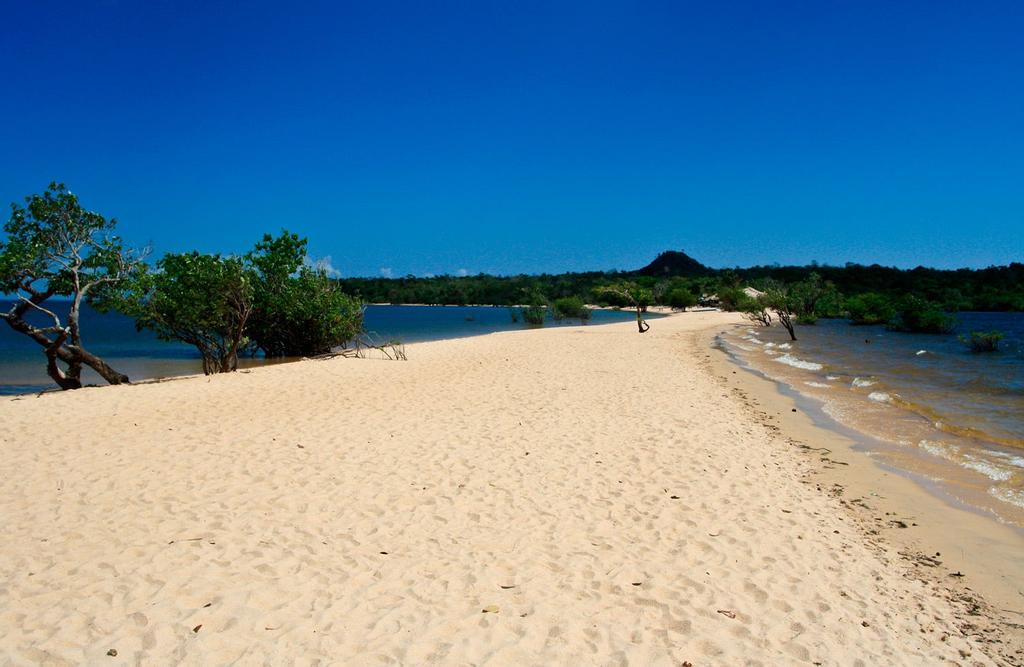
{"type": "Point", "coordinates": [529, 136]}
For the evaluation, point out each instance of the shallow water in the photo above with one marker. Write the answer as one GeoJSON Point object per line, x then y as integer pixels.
{"type": "Point", "coordinates": [949, 414]}
{"type": "Point", "coordinates": [140, 355]}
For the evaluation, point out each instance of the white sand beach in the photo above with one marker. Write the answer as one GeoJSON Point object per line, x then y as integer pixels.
{"type": "Point", "coordinates": [584, 496]}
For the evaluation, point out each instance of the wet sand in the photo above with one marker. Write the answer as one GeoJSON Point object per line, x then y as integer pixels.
{"type": "Point", "coordinates": [563, 496]}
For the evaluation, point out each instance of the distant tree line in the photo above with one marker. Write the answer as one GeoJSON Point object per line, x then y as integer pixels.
{"type": "Point", "coordinates": [678, 281]}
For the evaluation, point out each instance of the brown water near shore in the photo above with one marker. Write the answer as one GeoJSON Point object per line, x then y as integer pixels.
{"type": "Point", "coordinates": [961, 553]}
{"type": "Point", "coordinates": [978, 465]}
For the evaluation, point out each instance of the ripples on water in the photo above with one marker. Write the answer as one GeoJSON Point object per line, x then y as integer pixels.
{"type": "Point", "coordinates": [945, 412]}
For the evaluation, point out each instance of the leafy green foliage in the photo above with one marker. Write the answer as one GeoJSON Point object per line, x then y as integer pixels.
{"type": "Point", "coordinates": [869, 308]}
{"type": "Point", "coordinates": [994, 288]}
{"type": "Point", "coordinates": [785, 301]}
{"type": "Point", "coordinates": [570, 307]}
{"type": "Point", "coordinates": [55, 247]}
{"type": "Point", "coordinates": [983, 341]}
{"type": "Point", "coordinates": [536, 310]}
{"type": "Point", "coordinates": [918, 315]}
{"type": "Point", "coordinates": [298, 310]}
{"type": "Point", "coordinates": [631, 294]}
{"type": "Point", "coordinates": [202, 300]}
{"type": "Point", "coordinates": [732, 299]}
{"type": "Point", "coordinates": [680, 298]}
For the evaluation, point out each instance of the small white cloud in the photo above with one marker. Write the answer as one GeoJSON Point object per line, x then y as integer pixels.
{"type": "Point", "coordinates": [385, 271]}
{"type": "Point", "coordinates": [462, 273]}
{"type": "Point", "coordinates": [323, 264]}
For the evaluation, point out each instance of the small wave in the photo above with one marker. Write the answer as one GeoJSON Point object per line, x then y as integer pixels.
{"type": "Point", "coordinates": [1012, 496]}
{"type": "Point", "coordinates": [985, 468]}
{"type": "Point", "coordinates": [743, 347]}
{"type": "Point", "coordinates": [920, 352]}
{"type": "Point", "coordinates": [753, 340]}
{"type": "Point", "coordinates": [790, 360]}
{"type": "Point", "coordinates": [939, 449]}
{"type": "Point", "coordinates": [880, 397]}
{"type": "Point", "coordinates": [819, 385]}
{"type": "Point", "coordinates": [1016, 461]}
{"type": "Point", "coordinates": [784, 346]}
{"type": "Point", "coordinates": [831, 377]}
{"type": "Point", "coordinates": [860, 382]}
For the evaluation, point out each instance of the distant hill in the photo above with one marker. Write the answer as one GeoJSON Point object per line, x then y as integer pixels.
{"type": "Point", "coordinates": [673, 263]}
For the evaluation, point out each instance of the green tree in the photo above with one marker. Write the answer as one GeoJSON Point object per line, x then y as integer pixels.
{"type": "Point", "coordinates": [680, 298]}
{"type": "Point", "coordinates": [570, 307]}
{"type": "Point", "coordinates": [918, 315]}
{"type": "Point", "coordinates": [627, 292]}
{"type": "Point", "coordinates": [297, 309]}
{"type": "Point", "coordinates": [869, 308]}
{"type": "Point", "coordinates": [536, 309]}
{"type": "Point", "coordinates": [54, 247]}
{"type": "Point", "coordinates": [813, 298]}
{"type": "Point", "coordinates": [203, 300]}
{"type": "Point", "coordinates": [780, 299]}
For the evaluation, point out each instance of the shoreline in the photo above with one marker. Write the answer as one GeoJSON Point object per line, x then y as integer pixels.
{"type": "Point", "coordinates": [962, 552]}
{"type": "Point", "coordinates": [571, 494]}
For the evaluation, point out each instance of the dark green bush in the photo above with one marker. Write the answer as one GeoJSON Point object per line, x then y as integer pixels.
{"type": "Point", "coordinates": [680, 299]}
{"type": "Point", "coordinates": [983, 341]}
{"type": "Point", "coordinates": [298, 311]}
{"type": "Point", "coordinates": [536, 310]}
{"type": "Point", "coordinates": [917, 315]}
{"type": "Point", "coordinates": [869, 308]}
{"type": "Point", "coordinates": [570, 307]}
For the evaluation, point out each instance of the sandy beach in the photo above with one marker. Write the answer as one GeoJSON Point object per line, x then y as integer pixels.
{"type": "Point", "coordinates": [585, 496]}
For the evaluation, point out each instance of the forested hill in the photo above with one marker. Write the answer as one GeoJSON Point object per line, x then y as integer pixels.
{"type": "Point", "coordinates": [993, 288]}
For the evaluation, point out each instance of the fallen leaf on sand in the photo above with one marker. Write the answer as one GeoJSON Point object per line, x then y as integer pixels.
{"type": "Point", "coordinates": [490, 609]}
{"type": "Point", "coordinates": [726, 612]}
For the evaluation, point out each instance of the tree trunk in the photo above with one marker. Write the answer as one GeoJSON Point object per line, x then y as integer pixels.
{"type": "Point", "coordinates": [640, 323]}
{"type": "Point", "coordinates": [72, 355]}
{"type": "Point", "coordinates": [63, 380]}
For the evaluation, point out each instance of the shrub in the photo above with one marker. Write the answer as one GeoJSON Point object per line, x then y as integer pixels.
{"type": "Point", "coordinates": [917, 315]}
{"type": "Point", "coordinates": [869, 308]}
{"type": "Point", "coordinates": [536, 310]}
{"type": "Point", "coordinates": [756, 311]}
{"type": "Point", "coordinates": [731, 298]}
{"type": "Point", "coordinates": [570, 307]}
{"type": "Point", "coordinates": [983, 341]}
{"type": "Point", "coordinates": [202, 300]}
{"type": "Point", "coordinates": [680, 299]}
{"type": "Point", "coordinates": [298, 310]}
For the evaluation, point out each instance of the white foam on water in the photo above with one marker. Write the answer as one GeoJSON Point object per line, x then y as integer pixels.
{"type": "Point", "coordinates": [880, 397]}
{"type": "Point", "coordinates": [820, 385]}
{"type": "Point", "coordinates": [987, 469]}
{"type": "Point", "coordinates": [772, 353]}
{"type": "Point", "coordinates": [1012, 496]}
{"type": "Point", "coordinates": [753, 340]}
{"type": "Point", "coordinates": [831, 377]}
{"type": "Point", "coordinates": [790, 360]}
{"type": "Point", "coordinates": [860, 382]}
{"type": "Point", "coordinates": [1016, 461]}
{"type": "Point", "coordinates": [784, 346]}
{"type": "Point", "coordinates": [743, 347]}
{"type": "Point", "coordinates": [939, 449]}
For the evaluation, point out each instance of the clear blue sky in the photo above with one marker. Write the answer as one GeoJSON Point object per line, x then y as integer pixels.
{"type": "Point", "coordinates": [529, 136]}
